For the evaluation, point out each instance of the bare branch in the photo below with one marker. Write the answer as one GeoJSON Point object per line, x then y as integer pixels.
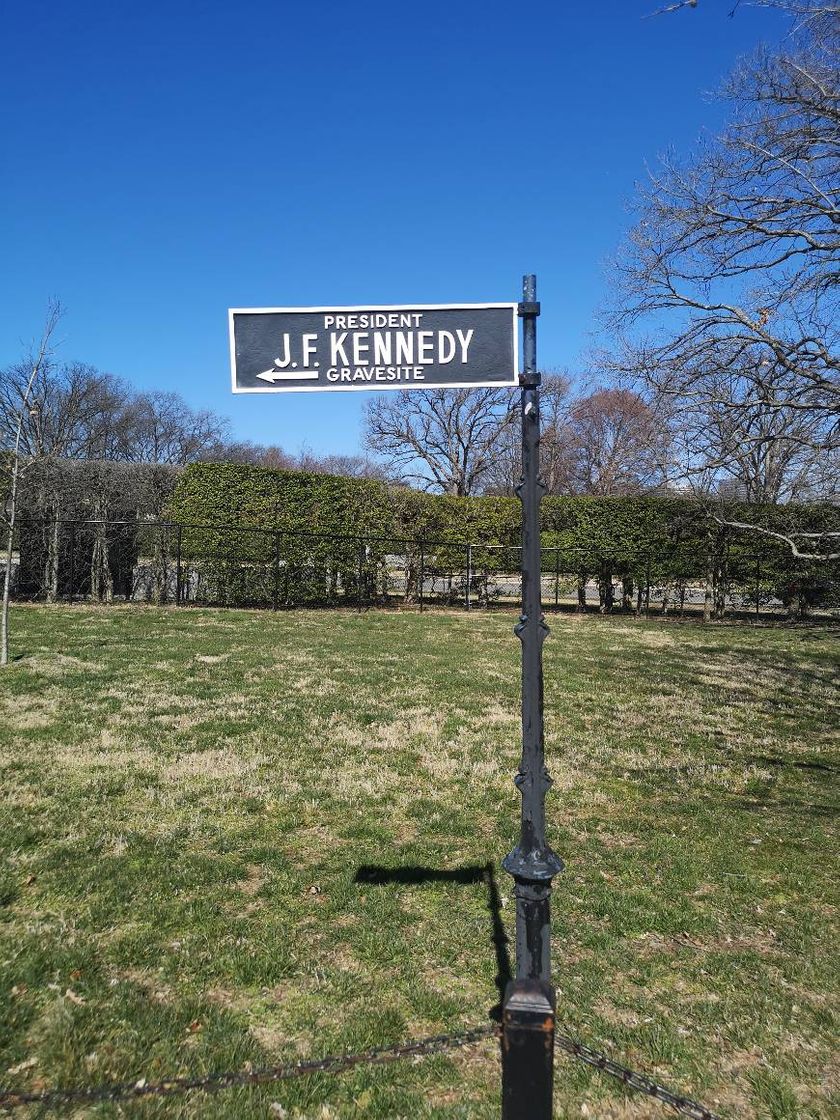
{"type": "Point", "coordinates": [789, 540]}
{"type": "Point", "coordinates": [442, 439]}
{"type": "Point", "coordinates": [735, 257]}
{"type": "Point", "coordinates": [671, 8]}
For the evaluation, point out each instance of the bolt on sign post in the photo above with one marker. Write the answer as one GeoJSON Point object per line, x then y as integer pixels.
{"type": "Point", "coordinates": [311, 349]}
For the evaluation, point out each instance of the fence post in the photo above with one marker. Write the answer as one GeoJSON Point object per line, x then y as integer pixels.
{"type": "Point", "coordinates": [757, 586]}
{"type": "Point", "coordinates": [469, 573]}
{"type": "Point", "coordinates": [361, 559]}
{"type": "Point", "coordinates": [724, 581]}
{"type": "Point", "coordinates": [72, 588]}
{"type": "Point", "coordinates": [286, 589]}
{"type": "Point", "coordinates": [647, 588]}
{"type": "Point", "coordinates": [556, 579]}
{"type": "Point", "coordinates": [422, 574]}
{"type": "Point", "coordinates": [178, 581]}
{"type": "Point", "coordinates": [275, 591]}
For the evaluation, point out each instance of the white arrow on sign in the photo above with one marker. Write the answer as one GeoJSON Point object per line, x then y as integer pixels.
{"type": "Point", "coordinates": [273, 375]}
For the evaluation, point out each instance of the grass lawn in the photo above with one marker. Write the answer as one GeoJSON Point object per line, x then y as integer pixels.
{"type": "Point", "coordinates": [196, 803]}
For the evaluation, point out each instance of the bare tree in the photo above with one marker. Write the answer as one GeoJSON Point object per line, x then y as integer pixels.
{"type": "Point", "coordinates": [24, 410]}
{"type": "Point", "coordinates": [74, 413]}
{"type": "Point", "coordinates": [166, 430]}
{"type": "Point", "coordinates": [505, 469]}
{"type": "Point", "coordinates": [246, 451]}
{"type": "Point", "coordinates": [606, 443]}
{"type": "Point", "coordinates": [804, 12]}
{"type": "Point", "coordinates": [69, 413]}
{"type": "Point", "coordinates": [443, 439]}
{"type": "Point", "coordinates": [735, 259]}
{"type": "Point", "coordinates": [729, 441]}
{"type": "Point", "coordinates": [346, 466]}
{"type": "Point", "coordinates": [615, 444]}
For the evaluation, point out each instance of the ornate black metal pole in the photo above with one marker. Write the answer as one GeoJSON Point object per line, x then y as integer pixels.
{"type": "Point", "coordinates": [528, 1014]}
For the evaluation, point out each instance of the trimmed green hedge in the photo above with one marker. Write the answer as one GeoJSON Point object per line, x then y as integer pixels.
{"type": "Point", "coordinates": [311, 534]}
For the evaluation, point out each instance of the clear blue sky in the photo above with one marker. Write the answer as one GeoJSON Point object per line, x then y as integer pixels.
{"type": "Point", "coordinates": [164, 161]}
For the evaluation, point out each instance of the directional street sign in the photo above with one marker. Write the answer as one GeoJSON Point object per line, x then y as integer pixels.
{"type": "Point", "coordinates": [309, 349]}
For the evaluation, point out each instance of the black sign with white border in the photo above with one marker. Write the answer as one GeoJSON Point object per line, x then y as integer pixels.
{"type": "Point", "coordinates": [419, 346]}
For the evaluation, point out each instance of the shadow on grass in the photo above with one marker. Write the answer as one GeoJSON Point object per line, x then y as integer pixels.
{"type": "Point", "coordinates": [731, 758]}
{"type": "Point", "coordinates": [794, 679]}
{"type": "Point", "coordinates": [794, 763]}
{"type": "Point", "coordinates": [473, 873]}
{"type": "Point", "coordinates": [664, 780]}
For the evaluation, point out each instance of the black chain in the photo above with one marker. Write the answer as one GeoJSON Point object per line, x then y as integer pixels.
{"type": "Point", "coordinates": [213, 1082]}
{"type": "Point", "coordinates": [336, 1063]}
{"type": "Point", "coordinates": [683, 1105]}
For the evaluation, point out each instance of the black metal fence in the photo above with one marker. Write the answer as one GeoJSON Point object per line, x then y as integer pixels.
{"type": "Point", "coordinates": [217, 1082]}
{"type": "Point", "coordinates": [243, 566]}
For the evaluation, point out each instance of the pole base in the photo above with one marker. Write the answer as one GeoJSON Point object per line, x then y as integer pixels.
{"type": "Point", "coordinates": [527, 1050]}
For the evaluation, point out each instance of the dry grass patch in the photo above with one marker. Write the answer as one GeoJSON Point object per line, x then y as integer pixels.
{"type": "Point", "coordinates": [255, 878]}
{"type": "Point", "coordinates": [112, 755]}
{"type": "Point", "coordinates": [32, 711]}
{"type": "Point", "coordinates": [645, 637]}
{"type": "Point", "coordinates": [764, 942]}
{"type": "Point", "coordinates": [61, 664]}
{"type": "Point", "coordinates": [636, 1108]}
{"type": "Point", "coordinates": [212, 765]}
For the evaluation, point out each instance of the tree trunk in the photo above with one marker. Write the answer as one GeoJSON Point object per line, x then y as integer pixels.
{"type": "Point", "coordinates": [7, 579]}
{"type": "Point", "coordinates": [101, 580]}
{"type": "Point", "coordinates": [161, 568]}
{"type": "Point", "coordinates": [52, 565]}
{"type": "Point", "coordinates": [803, 602]}
{"type": "Point", "coordinates": [412, 578]}
{"type": "Point", "coordinates": [581, 593]}
{"type": "Point", "coordinates": [794, 600]}
{"type": "Point", "coordinates": [666, 598]}
{"type": "Point", "coordinates": [484, 589]}
{"type": "Point", "coordinates": [605, 591]}
{"type": "Point", "coordinates": [709, 597]}
{"type": "Point", "coordinates": [720, 590]}
{"type": "Point", "coordinates": [627, 593]}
